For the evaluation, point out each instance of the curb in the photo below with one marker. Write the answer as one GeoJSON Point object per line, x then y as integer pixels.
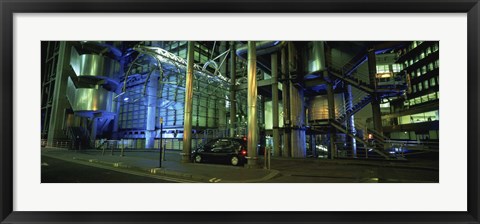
{"type": "Point", "coordinates": [346, 162]}
{"type": "Point", "coordinates": [154, 170]}
{"type": "Point", "coordinates": [160, 171]}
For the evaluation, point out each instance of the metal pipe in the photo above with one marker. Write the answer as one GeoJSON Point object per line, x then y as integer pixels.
{"type": "Point", "coordinates": [252, 105]}
{"type": "Point", "coordinates": [263, 47]}
{"type": "Point", "coordinates": [276, 134]}
{"type": "Point", "coordinates": [187, 117]}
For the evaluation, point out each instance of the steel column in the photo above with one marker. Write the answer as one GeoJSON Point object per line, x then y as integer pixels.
{"type": "Point", "coordinates": [276, 134]}
{"type": "Point", "coordinates": [286, 104]}
{"type": "Point", "coordinates": [313, 146]}
{"type": "Point", "coordinates": [252, 105]}
{"type": "Point", "coordinates": [297, 113]}
{"type": "Point", "coordinates": [187, 117]}
{"type": "Point", "coordinates": [331, 117]}
{"type": "Point", "coordinates": [372, 72]}
{"type": "Point", "coordinates": [116, 122]}
{"type": "Point", "coordinates": [233, 102]}
{"type": "Point", "coordinates": [220, 103]}
{"type": "Point", "coordinates": [93, 130]}
{"type": "Point", "coordinates": [350, 120]}
{"type": "Point", "coordinates": [60, 103]}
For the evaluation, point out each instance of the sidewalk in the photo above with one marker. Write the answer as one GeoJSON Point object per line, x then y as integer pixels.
{"type": "Point", "coordinates": [283, 170]}
{"type": "Point", "coordinates": [148, 162]}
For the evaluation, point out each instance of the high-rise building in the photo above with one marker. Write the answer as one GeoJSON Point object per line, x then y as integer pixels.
{"type": "Point", "coordinates": [416, 116]}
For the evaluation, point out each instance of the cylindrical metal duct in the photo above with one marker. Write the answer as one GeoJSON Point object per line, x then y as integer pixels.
{"type": "Point", "coordinates": [315, 57]}
{"type": "Point", "coordinates": [85, 97]}
{"type": "Point", "coordinates": [151, 112]}
{"type": "Point", "coordinates": [262, 48]}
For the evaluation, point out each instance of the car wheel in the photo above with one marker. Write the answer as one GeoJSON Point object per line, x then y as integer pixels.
{"type": "Point", "coordinates": [234, 161]}
{"type": "Point", "coordinates": [198, 159]}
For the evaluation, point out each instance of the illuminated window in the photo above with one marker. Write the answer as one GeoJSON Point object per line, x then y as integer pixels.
{"type": "Point", "coordinates": [383, 68]}
{"type": "Point", "coordinates": [425, 98]}
{"type": "Point", "coordinates": [430, 66]}
{"type": "Point", "coordinates": [196, 56]}
{"type": "Point", "coordinates": [432, 96]}
{"type": "Point", "coordinates": [385, 105]}
{"type": "Point", "coordinates": [425, 84]}
{"type": "Point", "coordinates": [424, 70]}
{"type": "Point", "coordinates": [428, 51]}
{"type": "Point", "coordinates": [396, 67]}
{"type": "Point", "coordinates": [183, 53]}
{"type": "Point", "coordinates": [414, 89]}
{"type": "Point", "coordinates": [435, 47]}
{"type": "Point", "coordinates": [436, 64]}
{"type": "Point", "coordinates": [412, 102]}
{"type": "Point", "coordinates": [422, 56]}
{"type": "Point", "coordinates": [419, 72]}
{"type": "Point", "coordinates": [418, 100]}
{"type": "Point", "coordinates": [420, 87]}
{"type": "Point", "coordinates": [432, 81]}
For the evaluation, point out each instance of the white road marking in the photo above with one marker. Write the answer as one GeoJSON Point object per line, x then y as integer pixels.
{"type": "Point", "coordinates": [214, 180]}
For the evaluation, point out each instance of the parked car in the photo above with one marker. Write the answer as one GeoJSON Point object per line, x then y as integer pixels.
{"type": "Point", "coordinates": [231, 150]}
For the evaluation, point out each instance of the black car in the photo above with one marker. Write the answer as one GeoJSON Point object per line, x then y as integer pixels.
{"type": "Point", "coordinates": [231, 150]}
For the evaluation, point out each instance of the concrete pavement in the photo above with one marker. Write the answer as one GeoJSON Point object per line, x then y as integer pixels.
{"type": "Point", "coordinates": [284, 170]}
{"type": "Point", "coordinates": [148, 162]}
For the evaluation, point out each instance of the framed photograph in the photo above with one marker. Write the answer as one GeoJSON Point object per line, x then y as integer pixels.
{"type": "Point", "coordinates": [239, 111]}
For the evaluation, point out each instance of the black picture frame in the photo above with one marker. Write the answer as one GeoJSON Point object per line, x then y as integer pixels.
{"type": "Point", "coordinates": [9, 7]}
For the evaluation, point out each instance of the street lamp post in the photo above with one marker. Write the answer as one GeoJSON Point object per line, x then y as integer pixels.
{"type": "Point", "coordinates": [161, 144]}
